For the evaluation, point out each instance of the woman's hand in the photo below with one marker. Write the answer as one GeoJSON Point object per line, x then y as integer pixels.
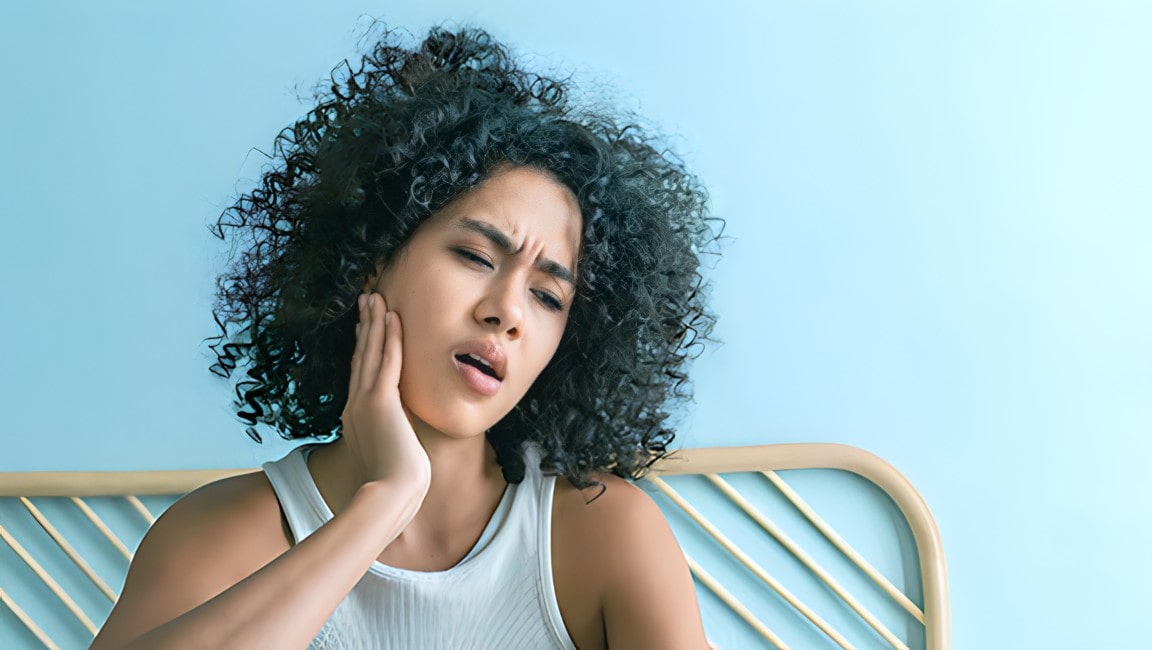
{"type": "Point", "coordinates": [376, 428]}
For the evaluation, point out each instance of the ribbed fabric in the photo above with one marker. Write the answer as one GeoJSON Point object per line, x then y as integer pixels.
{"type": "Point", "coordinates": [499, 596]}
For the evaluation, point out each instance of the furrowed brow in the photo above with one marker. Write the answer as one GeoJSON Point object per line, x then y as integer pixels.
{"type": "Point", "coordinates": [504, 243]}
{"type": "Point", "coordinates": [556, 270]}
{"type": "Point", "coordinates": [491, 232]}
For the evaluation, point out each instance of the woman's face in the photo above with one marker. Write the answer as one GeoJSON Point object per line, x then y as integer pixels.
{"type": "Point", "coordinates": [483, 290]}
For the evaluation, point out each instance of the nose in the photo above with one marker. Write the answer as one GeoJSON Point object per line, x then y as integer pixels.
{"type": "Point", "coordinates": [503, 309]}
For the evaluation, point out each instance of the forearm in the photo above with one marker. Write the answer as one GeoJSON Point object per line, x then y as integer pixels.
{"type": "Point", "coordinates": [285, 603]}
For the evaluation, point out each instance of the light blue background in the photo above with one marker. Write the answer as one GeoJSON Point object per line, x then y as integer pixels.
{"type": "Point", "coordinates": [941, 247]}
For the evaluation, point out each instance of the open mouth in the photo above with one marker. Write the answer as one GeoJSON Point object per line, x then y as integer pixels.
{"type": "Point", "coordinates": [478, 363]}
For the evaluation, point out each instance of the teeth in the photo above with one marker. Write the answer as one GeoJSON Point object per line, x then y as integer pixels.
{"type": "Point", "coordinates": [480, 360]}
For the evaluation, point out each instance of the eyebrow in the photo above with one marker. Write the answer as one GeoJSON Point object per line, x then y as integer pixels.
{"type": "Point", "coordinates": [504, 243]}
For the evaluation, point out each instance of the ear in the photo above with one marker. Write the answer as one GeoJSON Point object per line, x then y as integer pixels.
{"type": "Point", "coordinates": [372, 282]}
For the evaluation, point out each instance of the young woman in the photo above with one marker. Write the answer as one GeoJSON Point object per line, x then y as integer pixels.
{"type": "Point", "coordinates": [515, 283]}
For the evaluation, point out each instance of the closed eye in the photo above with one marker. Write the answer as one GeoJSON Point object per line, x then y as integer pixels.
{"type": "Point", "coordinates": [547, 299]}
{"type": "Point", "coordinates": [550, 301]}
{"type": "Point", "coordinates": [472, 257]}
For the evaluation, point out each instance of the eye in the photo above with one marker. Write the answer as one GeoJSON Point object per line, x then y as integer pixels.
{"type": "Point", "coordinates": [550, 301]}
{"type": "Point", "coordinates": [472, 257]}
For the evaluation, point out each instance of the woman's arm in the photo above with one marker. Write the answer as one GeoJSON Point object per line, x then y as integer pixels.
{"type": "Point", "coordinates": [202, 579]}
{"type": "Point", "coordinates": [204, 576]}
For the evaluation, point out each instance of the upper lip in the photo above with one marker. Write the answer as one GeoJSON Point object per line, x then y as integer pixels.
{"type": "Point", "coordinates": [489, 351]}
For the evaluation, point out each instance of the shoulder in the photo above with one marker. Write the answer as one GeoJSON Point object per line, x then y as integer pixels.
{"type": "Point", "coordinates": [622, 528]}
{"type": "Point", "coordinates": [204, 523]}
{"type": "Point", "coordinates": [204, 543]}
{"type": "Point", "coordinates": [239, 506]}
{"type": "Point", "coordinates": [616, 509]}
{"type": "Point", "coordinates": [620, 552]}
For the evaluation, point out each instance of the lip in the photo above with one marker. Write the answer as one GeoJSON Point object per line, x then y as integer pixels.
{"type": "Point", "coordinates": [491, 353]}
{"type": "Point", "coordinates": [488, 350]}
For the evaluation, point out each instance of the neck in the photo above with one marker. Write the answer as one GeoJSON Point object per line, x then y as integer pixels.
{"type": "Point", "coordinates": [466, 479]}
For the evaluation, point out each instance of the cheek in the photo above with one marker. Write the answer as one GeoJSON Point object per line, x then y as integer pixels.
{"type": "Point", "coordinates": [421, 303]}
{"type": "Point", "coordinates": [402, 292]}
{"type": "Point", "coordinates": [542, 353]}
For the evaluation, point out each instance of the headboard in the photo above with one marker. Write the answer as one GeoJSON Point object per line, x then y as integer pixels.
{"type": "Point", "coordinates": [770, 571]}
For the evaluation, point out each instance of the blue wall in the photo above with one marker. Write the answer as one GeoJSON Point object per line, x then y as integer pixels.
{"type": "Point", "coordinates": [941, 247]}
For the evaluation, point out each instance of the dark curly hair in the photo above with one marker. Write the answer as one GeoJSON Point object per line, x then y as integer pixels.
{"type": "Point", "coordinates": [392, 142]}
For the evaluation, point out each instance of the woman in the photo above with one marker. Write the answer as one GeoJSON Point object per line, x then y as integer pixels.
{"type": "Point", "coordinates": [515, 282]}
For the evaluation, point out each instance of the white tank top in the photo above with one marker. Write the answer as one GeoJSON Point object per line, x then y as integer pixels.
{"type": "Point", "coordinates": [499, 596]}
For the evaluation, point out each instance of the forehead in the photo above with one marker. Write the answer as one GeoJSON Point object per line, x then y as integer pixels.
{"type": "Point", "coordinates": [529, 206]}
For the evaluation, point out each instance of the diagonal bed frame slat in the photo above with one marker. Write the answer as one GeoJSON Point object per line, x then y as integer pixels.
{"type": "Point", "coordinates": [68, 549]}
{"type": "Point", "coordinates": [48, 580]}
{"type": "Point", "coordinates": [139, 507]}
{"type": "Point", "coordinates": [748, 562]}
{"type": "Point", "coordinates": [102, 527]}
{"type": "Point", "coordinates": [735, 605]}
{"type": "Point", "coordinates": [844, 547]}
{"type": "Point", "coordinates": [27, 621]}
{"type": "Point", "coordinates": [805, 559]}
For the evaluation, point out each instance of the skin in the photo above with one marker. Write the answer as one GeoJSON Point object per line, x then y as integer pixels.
{"type": "Point", "coordinates": [412, 481]}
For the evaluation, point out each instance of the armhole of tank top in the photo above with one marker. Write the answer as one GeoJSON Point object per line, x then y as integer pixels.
{"type": "Point", "coordinates": [548, 582]}
{"type": "Point", "coordinates": [285, 527]}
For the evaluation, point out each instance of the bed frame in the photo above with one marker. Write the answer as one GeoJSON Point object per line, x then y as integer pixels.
{"type": "Point", "coordinates": [70, 522]}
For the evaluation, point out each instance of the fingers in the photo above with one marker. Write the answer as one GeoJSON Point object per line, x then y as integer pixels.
{"type": "Point", "coordinates": [378, 356]}
{"type": "Point", "coordinates": [393, 351]}
{"type": "Point", "coordinates": [372, 332]}
{"type": "Point", "coordinates": [358, 351]}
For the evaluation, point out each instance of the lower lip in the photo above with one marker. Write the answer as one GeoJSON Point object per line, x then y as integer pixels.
{"type": "Point", "coordinates": [476, 380]}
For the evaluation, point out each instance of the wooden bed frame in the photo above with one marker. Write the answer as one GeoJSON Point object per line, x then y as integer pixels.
{"type": "Point", "coordinates": [70, 489]}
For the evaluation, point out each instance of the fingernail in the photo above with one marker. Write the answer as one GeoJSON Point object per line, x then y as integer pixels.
{"type": "Point", "coordinates": [388, 318]}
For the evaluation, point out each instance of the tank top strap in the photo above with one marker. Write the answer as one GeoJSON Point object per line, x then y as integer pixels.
{"type": "Point", "coordinates": [301, 503]}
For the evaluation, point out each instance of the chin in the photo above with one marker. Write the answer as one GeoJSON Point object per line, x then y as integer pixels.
{"type": "Point", "coordinates": [456, 415]}
{"type": "Point", "coordinates": [457, 425]}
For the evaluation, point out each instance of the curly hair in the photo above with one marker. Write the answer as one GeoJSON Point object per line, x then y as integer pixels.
{"type": "Point", "coordinates": [391, 143]}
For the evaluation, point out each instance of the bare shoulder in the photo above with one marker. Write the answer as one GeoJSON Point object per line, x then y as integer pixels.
{"type": "Point", "coordinates": [614, 548]}
{"type": "Point", "coordinates": [622, 529]}
{"type": "Point", "coordinates": [617, 508]}
{"type": "Point", "coordinates": [203, 524]}
{"type": "Point", "coordinates": [594, 526]}
{"type": "Point", "coordinates": [204, 543]}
